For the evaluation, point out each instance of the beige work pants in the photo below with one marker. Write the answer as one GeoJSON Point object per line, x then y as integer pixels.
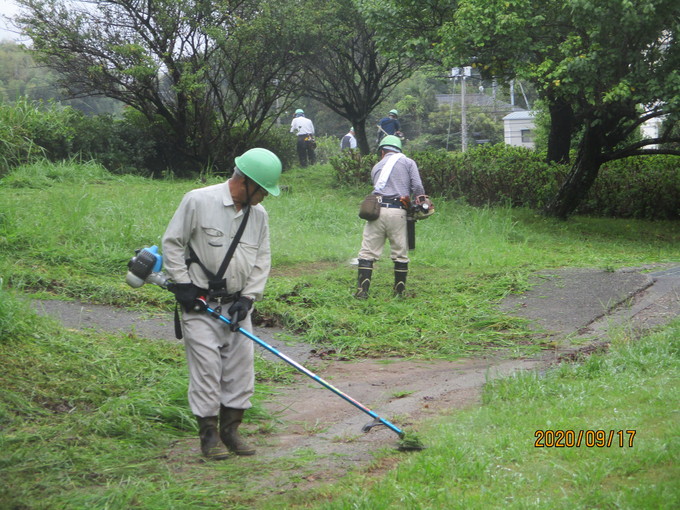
{"type": "Point", "coordinates": [390, 225]}
{"type": "Point", "coordinates": [221, 364]}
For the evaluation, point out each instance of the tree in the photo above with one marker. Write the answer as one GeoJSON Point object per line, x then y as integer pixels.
{"type": "Point", "coordinates": [210, 72]}
{"type": "Point", "coordinates": [415, 99]}
{"type": "Point", "coordinates": [602, 67]}
{"type": "Point", "coordinates": [346, 71]}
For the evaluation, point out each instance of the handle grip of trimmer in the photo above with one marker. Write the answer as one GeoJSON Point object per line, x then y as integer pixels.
{"type": "Point", "coordinates": [200, 303]}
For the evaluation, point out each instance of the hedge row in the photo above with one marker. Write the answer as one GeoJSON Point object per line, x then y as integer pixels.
{"type": "Point", "coordinates": [642, 187]}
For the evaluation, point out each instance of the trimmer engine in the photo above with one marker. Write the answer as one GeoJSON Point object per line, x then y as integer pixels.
{"type": "Point", "coordinates": [145, 267]}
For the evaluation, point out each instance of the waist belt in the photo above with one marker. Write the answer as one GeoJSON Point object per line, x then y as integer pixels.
{"type": "Point", "coordinates": [230, 298]}
{"type": "Point", "coordinates": [391, 202]}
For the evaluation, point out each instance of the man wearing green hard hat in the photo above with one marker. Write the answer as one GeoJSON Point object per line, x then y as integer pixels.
{"type": "Point", "coordinates": [395, 179]}
{"type": "Point", "coordinates": [216, 247]}
{"type": "Point", "coordinates": [389, 125]}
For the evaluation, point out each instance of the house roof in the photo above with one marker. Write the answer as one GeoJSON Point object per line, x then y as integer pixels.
{"type": "Point", "coordinates": [520, 115]}
{"type": "Point", "coordinates": [473, 99]}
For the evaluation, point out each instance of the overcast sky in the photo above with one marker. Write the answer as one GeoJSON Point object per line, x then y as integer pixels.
{"type": "Point", "coordinates": [7, 9]}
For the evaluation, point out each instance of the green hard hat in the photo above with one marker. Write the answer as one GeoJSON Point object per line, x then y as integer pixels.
{"type": "Point", "coordinates": [263, 167]}
{"type": "Point", "coordinates": [394, 112]}
{"type": "Point", "coordinates": [299, 111]}
{"type": "Point", "coordinates": [390, 141]}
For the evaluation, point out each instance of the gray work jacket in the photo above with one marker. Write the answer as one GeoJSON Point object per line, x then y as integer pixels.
{"type": "Point", "coordinates": [207, 219]}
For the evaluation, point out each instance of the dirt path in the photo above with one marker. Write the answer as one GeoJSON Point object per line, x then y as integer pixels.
{"type": "Point", "coordinates": [565, 304]}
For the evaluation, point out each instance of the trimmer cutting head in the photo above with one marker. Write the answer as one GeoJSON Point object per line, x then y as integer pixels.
{"type": "Point", "coordinates": [411, 444]}
{"type": "Point", "coordinates": [375, 423]}
{"type": "Point", "coordinates": [406, 444]}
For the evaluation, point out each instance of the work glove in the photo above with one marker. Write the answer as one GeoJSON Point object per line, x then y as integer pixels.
{"type": "Point", "coordinates": [238, 311]}
{"type": "Point", "coordinates": [185, 294]}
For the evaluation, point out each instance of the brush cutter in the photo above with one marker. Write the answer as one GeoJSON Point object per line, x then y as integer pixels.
{"type": "Point", "coordinates": [146, 266]}
{"type": "Point", "coordinates": [377, 420]}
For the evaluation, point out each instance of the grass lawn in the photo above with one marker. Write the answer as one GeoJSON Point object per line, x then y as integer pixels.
{"type": "Point", "coordinates": [86, 419]}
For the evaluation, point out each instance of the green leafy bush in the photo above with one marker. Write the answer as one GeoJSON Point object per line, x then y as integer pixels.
{"type": "Point", "coordinates": [645, 187]}
{"type": "Point", "coordinates": [641, 187]}
{"type": "Point", "coordinates": [437, 171]}
{"type": "Point", "coordinates": [282, 143]}
{"type": "Point", "coordinates": [32, 129]}
{"type": "Point", "coordinates": [127, 145]}
{"type": "Point", "coordinates": [493, 174]}
{"type": "Point", "coordinates": [327, 147]}
{"type": "Point", "coordinates": [353, 168]}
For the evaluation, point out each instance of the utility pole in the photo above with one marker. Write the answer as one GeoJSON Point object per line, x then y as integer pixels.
{"type": "Point", "coordinates": [467, 72]}
{"type": "Point", "coordinates": [278, 118]}
{"type": "Point", "coordinates": [463, 116]}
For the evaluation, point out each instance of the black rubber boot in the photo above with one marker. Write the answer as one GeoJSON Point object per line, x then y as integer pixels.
{"type": "Point", "coordinates": [364, 281]}
{"type": "Point", "coordinates": [230, 419]}
{"type": "Point", "coordinates": [400, 273]}
{"type": "Point", "coordinates": [211, 447]}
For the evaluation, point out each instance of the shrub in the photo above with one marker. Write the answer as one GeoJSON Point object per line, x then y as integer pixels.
{"type": "Point", "coordinates": [282, 143]}
{"type": "Point", "coordinates": [31, 130]}
{"type": "Point", "coordinates": [639, 187]}
{"type": "Point", "coordinates": [127, 145]}
{"type": "Point", "coordinates": [492, 174]}
{"type": "Point", "coordinates": [327, 147]}
{"type": "Point", "coordinates": [437, 171]}
{"type": "Point", "coordinates": [353, 168]}
{"type": "Point", "coordinates": [645, 187]}
{"type": "Point", "coordinates": [489, 174]}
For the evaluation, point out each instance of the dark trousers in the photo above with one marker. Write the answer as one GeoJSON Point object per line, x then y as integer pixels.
{"type": "Point", "coordinates": [305, 151]}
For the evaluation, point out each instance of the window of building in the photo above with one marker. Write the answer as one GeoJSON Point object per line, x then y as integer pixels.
{"type": "Point", "coordinates": [527, 136]}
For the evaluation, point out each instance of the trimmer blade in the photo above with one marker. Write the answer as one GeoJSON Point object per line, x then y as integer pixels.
{"type": "Point", "coordinates": [370, 425]}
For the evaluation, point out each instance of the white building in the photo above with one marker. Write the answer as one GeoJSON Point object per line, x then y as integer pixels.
{"type": "Point", "coordinates": [651, 128]}
{"type": "Point", "coordinates": [518, 128]}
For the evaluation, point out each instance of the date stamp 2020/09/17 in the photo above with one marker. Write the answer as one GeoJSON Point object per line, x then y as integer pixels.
{"type": "Point", "coordinates": [588, 438]}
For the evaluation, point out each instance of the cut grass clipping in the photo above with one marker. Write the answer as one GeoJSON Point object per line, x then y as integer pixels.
{"type": "Point", "coordinates": [410, 443]}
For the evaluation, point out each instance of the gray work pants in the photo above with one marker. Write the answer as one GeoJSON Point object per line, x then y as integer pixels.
{"type": "Point", "coordinates": [220, 363]}
{"type": "Point", "coordinates": [391, 224]}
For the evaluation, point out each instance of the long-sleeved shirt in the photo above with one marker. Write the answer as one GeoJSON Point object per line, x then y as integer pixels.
{"type": "Point", "coordinates": [404, 179]}
{"type": "Point", "coordinates": [390, 125]}
{"type": "Point", "coordinates": [348, 142]}
{"type": "Point", "coordinates": [302, 126]}
{"type": "Point", "coordinates": [208, 220]}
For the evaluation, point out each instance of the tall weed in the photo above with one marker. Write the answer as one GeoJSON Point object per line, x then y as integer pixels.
{"type": "Point", "coordinates": [16, 143]}
{"type": "Point", "coordinates": [43, 173]}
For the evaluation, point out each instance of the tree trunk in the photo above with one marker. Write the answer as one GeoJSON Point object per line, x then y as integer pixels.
{"type": "Point", "coordinates": [561, 126]}
{"type": "Point", "coordinates": [583, 173]}
{"type": "Point", "coordinates": [362, 139]}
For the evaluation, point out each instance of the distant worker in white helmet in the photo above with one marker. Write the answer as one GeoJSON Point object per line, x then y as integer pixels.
{"type": "Point", "coordinates": [306, 144]}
